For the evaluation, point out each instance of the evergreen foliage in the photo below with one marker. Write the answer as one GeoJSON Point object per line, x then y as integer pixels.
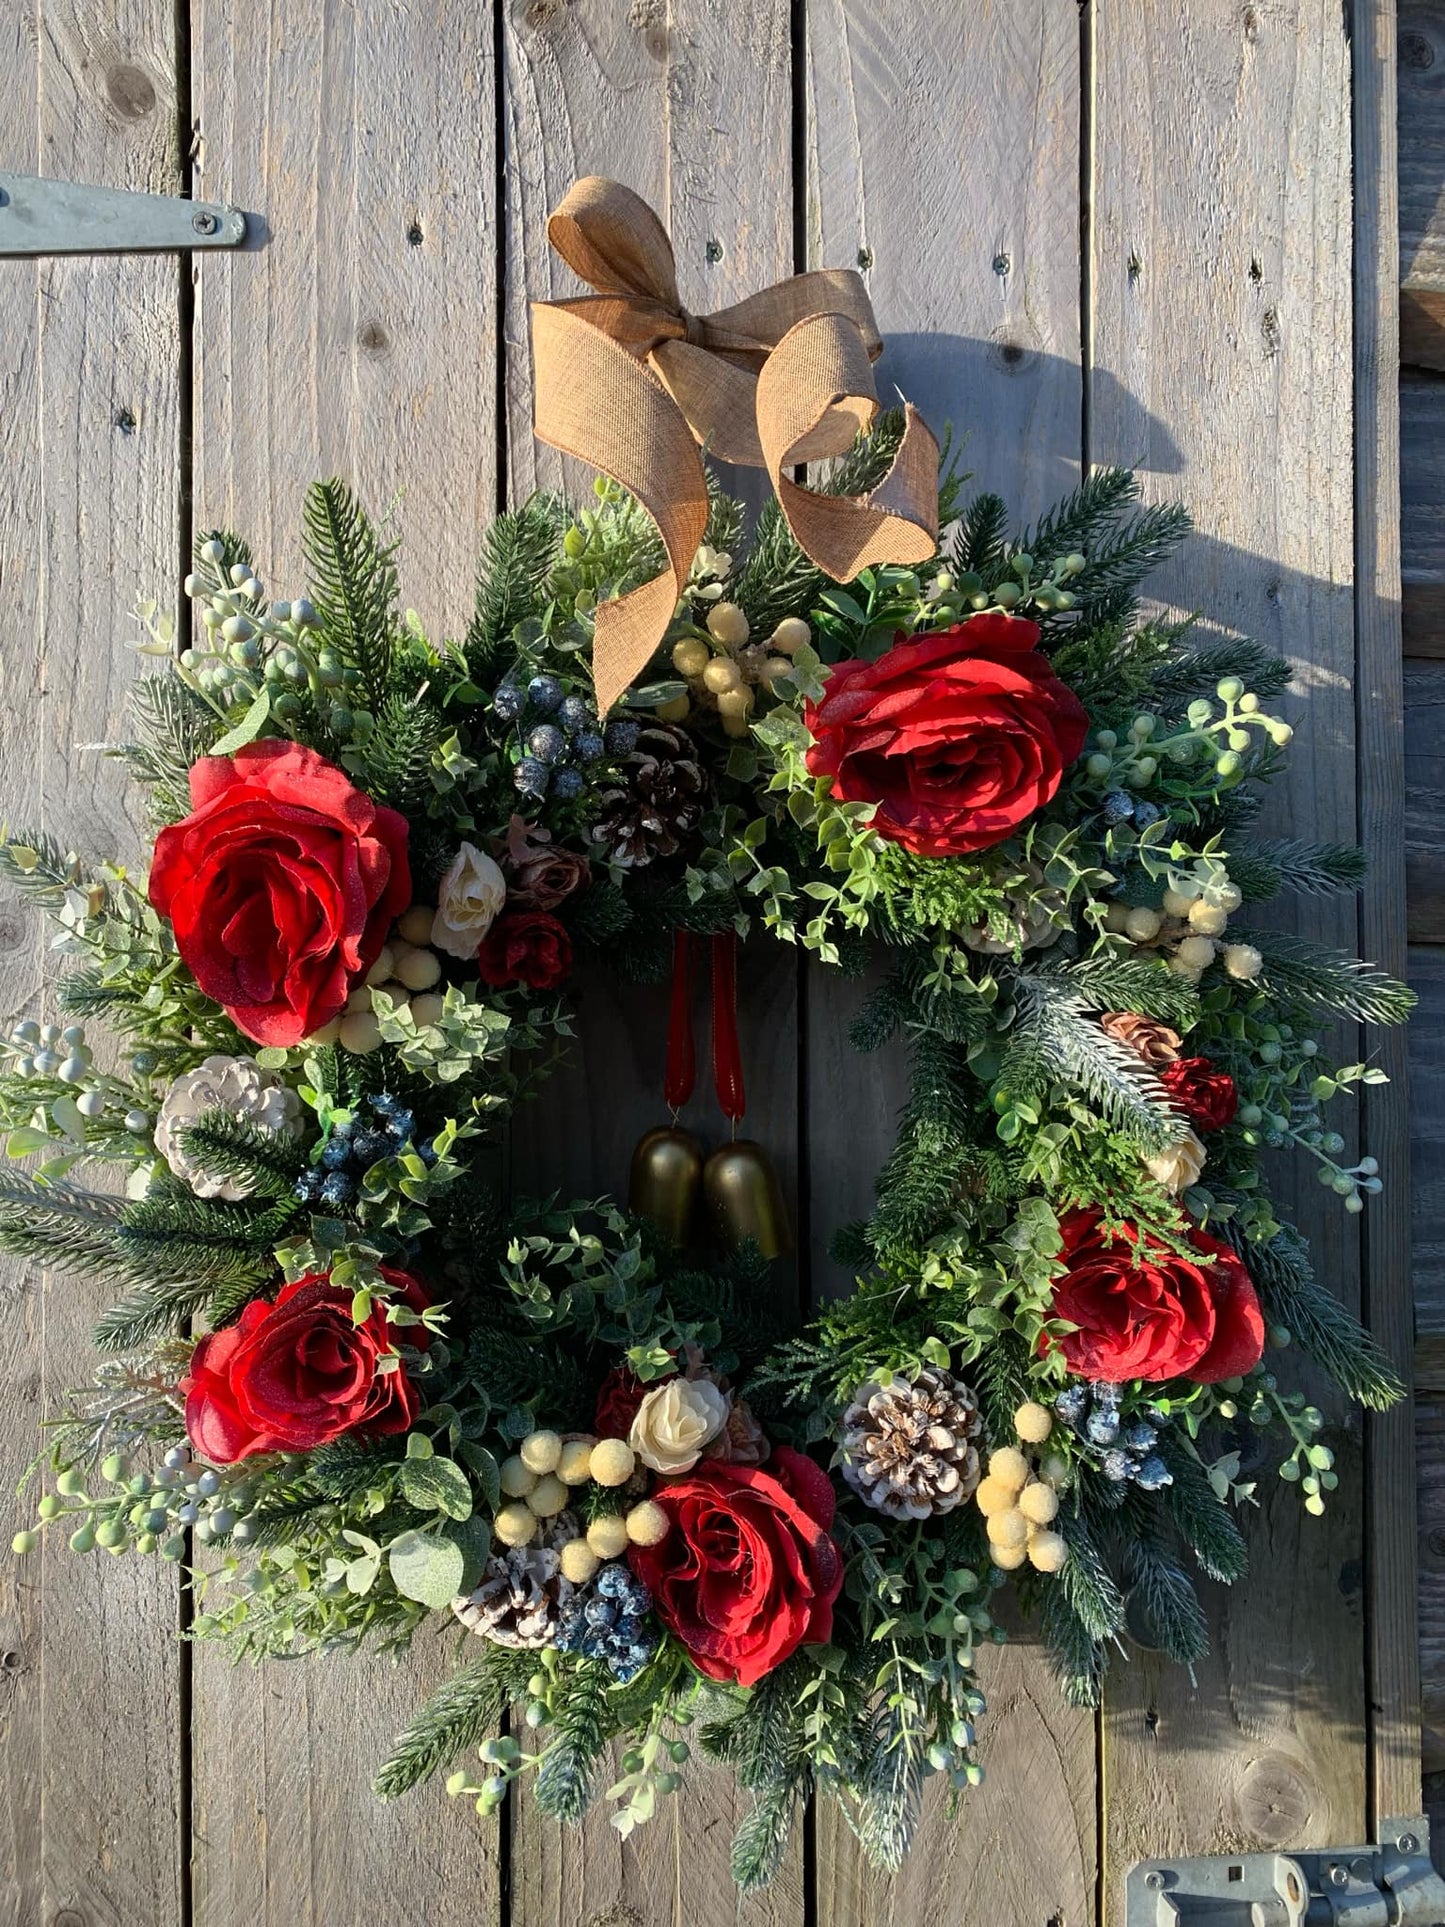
{"type": "Point", "coordinates": [353, 579]}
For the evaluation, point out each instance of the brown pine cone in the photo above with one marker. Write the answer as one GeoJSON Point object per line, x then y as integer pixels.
{"type": "Point", "coordinates": [1156, 1043]}
{"type": "Point", "coordinates": [656, 801]}
{"type": "Point", "coordinates": [909, 1448]}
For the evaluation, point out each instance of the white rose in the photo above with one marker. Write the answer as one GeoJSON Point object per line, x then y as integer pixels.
{"type": "Point", "coordinates": [236, 1085]}
{"type": "Point", "coordinates": [1178, 1165]}
{"type": "Point", "coordinates": [472, 892]}
{"type": "Point", "coordinates": [676, 1421]}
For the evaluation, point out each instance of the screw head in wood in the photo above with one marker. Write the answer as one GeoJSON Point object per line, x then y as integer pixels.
{"type": "Point", "coordinates": [1408, 1843]}
{"type": "Point", "coordinates": [1154, 1880]}
{"type": "Point", "coordinates": [204, 222]}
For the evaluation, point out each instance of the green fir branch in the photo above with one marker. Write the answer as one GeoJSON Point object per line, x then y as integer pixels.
{"type": "Point", "coordinates": [1201, 1518]}
{"type": "Point", "coordinates": [465, 1710]}
{"type": "Point", "coordinates": [1319, 1323]}
{"type": "Point", "coordinates": [353, 579]}
{"type": "Point", "coordinates": [228, 1149]}
{"type": "Point", "coordinates": [568, 1773]}
{"type": "Point", "coordinates": [1055, 1035]}
{"type": "Point", "coordinates": [1263, 868]}
{"type": "Point", "coordinates": [1327, 982]}
{"type": "Point", "coordinates": [518, 553]}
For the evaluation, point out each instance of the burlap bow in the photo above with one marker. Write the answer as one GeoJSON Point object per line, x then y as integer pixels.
{"type": "Point", "coordinates": [630, 382]}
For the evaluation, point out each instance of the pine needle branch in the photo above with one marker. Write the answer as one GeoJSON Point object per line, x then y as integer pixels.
{"type": "Point", "coordinates": [463, 1711]}
{"type": "Point", "coordinates": [354, 584]}
{"type": "Point", "coordinates": [1320, 1324]}
{"type": "Point", "coordinates": [1300, 972]}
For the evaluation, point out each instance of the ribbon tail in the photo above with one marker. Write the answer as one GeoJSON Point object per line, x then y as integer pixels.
{"type": "Point", "coordinates": [816, 387]}
{"type": "Point", "coordinates": [595, 401]}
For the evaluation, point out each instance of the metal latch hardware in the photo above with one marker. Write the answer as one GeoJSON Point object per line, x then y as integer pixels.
{"type": "Point", "coordinates": [66, 217]}
{"type": "Point", "coordinates": [1389, 1885]}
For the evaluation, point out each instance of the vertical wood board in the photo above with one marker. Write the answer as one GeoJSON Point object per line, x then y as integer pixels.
{"type": "Point", "coordinates": [971, 257]}
{"type": "Point", "coordinates": [1222, 369]}
{"type": "Point", "coordinates": [358, 340]}
{"type": "Point", "coordinates": [90, 1672]}
{"type": "Point", "coordinates": [691, 108]}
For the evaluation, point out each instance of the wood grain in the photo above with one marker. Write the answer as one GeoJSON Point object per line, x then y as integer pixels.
{"type": "Point", "coordinates": [1238, 185]}
{"type": "Point", "coordinates": [90, 1672]}
{"type": "Point", "coordinates": [973, 270]}
{"type": "Point", "coordinates": [1424, 812]}
{"type": "Point", "coordinates": [1422, 513]}
{"type": "Point", "coordinates": [1392, 1635]}
{"type": "Point", "coordinates": [357, 338]}
{"type": "Point", "coordinates": [691, 108]}
{"type": "Point", "coordinates": [1427, 1134]}
{"type": "Point", "coordinates": [356, 333]}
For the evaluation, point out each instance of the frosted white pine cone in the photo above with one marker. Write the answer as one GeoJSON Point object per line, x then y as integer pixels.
{"type": "Point", "coordinates": [236, 1085]}
{"type": "Point", "coordinates": [909, 1449]}
{"type": "Point", "coordinates": [522, 1592]}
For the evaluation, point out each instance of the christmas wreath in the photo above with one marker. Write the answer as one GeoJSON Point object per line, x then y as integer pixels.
{"type": "Point", "coordinates": [378, 1394]}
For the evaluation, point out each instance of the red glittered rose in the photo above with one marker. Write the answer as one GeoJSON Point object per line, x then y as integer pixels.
{"type": "Point", "coordinates": [747, 1572]}
{"type": "Point", "coordinates": [288, 1376]}
{"type": "Point", "coordinates": [280, 886]}
{"type": "Point", "coordinates": [1142, 1311]}
{"type": "Point", "coordinates": [525, 947]}
{"type": "Point", "coordinates": [958, 737]}
{"type": "Point", "coordinates": [1204, 1093]}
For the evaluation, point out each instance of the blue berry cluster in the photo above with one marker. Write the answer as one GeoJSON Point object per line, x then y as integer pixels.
{"type": "Point", "coordinates": [1125, 1445]}
{"type": "Point", "coordinates": [1120, 807]}
{"type": "Point", "coordinates": [563, 736]}
{"type": "Point", "coordinates": [609, 1623]}
{"type": "Point", "coordinates": [355, 1144]}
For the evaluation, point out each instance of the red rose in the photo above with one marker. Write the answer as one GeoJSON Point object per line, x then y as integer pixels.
{"type": "Point", "coordinates": [289, 1376]}
{"type": "Point", "coordinates": [957, 737]}
{"type": "Point", "coordinates": [280, 886]}
{"type": "Point", "coordinates": [748, 1572]}
{"type": "Point", "coordinates": [1204, 1093]}
{"type": "Point", "coordinates": [618, 1398]}
{"type": "Point", "coordinates": [1142, 1311]}
{"type": "Point", "coordinates": [525, 947]}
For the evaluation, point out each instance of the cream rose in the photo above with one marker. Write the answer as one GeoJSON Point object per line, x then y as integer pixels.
{"type": "Point", "coordinates": [472, 892]}
{"type": "Point", "coordinates": [1178, 1165]}
{"type": "Point", "coordinates": [675, 1421]}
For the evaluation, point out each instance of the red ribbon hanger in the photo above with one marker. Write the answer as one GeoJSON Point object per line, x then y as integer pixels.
{"type": "Point", "coordinates": [727, 1061]}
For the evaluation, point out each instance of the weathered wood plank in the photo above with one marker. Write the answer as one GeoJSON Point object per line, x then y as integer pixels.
{"type": "Point", "coordinates": [89, 393]}
{"type": "Point", "coordinates": [1420, 80]}
{"type": "Point", "coordinates": [1392, 1656]}
{"type": "Point", "coordinates": [1422, 513]}
{"type": "Point", "coordinates": [690, 107]}
{"type": "Point", "coordinates": [973, 266]}
{"type": "Point", "coordinates": [1424, 815]}
{"type": "Point", "coordinates": [356, 333]}
{"type": "Point", "coordinates": [358, 339]}
{"type": "Point", "coordinates": [1427, 1140]}
{"type": "Point", "coordinates": [1430, 1449]}
{"type": "Point", "coordinates": [1240, 184]}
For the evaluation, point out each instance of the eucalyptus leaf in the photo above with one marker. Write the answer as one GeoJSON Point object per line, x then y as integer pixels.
{"type": "Point", "coordinates": [247, 730]}
{"type": "Point", "coordinates": [426, 1568]}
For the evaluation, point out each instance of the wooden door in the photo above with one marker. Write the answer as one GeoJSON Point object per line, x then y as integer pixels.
{"type": "Point", "coordinates": [1094, 231]}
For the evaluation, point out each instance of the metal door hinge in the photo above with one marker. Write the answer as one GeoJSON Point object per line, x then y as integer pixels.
{"type": "Point", "coordinates": [1389, 1885]}
{"type": "Point", "coordinates": [65, 217]}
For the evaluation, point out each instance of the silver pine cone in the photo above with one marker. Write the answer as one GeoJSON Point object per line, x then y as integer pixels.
{"type": "Point", "coordinates": [910, 1449]}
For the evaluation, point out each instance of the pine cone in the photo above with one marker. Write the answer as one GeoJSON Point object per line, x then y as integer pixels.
{"type": "Point", "coordinates": [1156, 1043]}
{"type": "Point", "coordinates": [909, 1449]}
{"type": "Point", "coordinates": [522, 1595]}
{"type": "Point", "coordinates": [657, 800]}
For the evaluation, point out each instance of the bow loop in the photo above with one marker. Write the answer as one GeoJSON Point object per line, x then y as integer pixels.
{"type": "Point", "coordinates": [631, 381]}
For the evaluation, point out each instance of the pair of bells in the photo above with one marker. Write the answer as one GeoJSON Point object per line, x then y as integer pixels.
{"type": "Point", "coordinates": [672, 1175]}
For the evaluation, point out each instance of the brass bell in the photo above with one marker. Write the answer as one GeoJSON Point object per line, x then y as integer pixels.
{"type": "Point", "coordinates": [745, 1197]}
{"type": "Point", "coordinates": [666, 1181]}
